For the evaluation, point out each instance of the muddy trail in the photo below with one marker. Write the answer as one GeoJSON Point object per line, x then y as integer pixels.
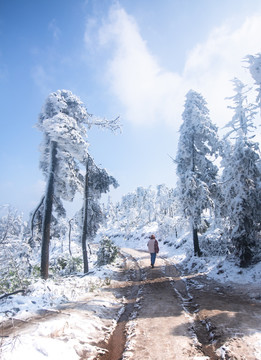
{"type": "Point", "coordinates": [169, 317]}
{"type": "Point", "coordinates": [162, 316]}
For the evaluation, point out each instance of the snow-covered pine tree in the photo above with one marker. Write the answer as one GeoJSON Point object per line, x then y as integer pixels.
{"type": "Point", "coordinates": [97, 182]}
{"type": "Point", "coordinates": [62, 121]}
{"type": "Point", "coordinates": [198, 144]}
{"type": "Point", "coordinates": [244, 112]}
{"type": "Point", "coordinates": [255, 70]}
{"type": "Point", "coordinates": [145, 204]}
{"type": "Point", "coordinates": [241, 178]}
{"type": "Point", "coordinates": [162, 201]}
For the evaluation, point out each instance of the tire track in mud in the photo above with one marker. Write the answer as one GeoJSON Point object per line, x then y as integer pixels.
{"type": "Point", "coordinates": [222, 320]}
{"type": "Point", "coordinates": [114, 348]}
{"type": "Point", "coordinates": [204, 331]}
{"type": "Point", "coordinates": [226, 321]}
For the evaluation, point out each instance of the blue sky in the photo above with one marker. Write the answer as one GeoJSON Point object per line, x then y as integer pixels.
{"type": "Point", "coordinates": [133, 58]}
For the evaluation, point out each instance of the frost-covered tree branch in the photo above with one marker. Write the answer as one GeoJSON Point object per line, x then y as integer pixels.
{"type": "Point", "coordinates": [113, 125]}
{"type": "Point", "coordinates": [244, 112]}
{"type": "Point", "coordinates": [254, 64]}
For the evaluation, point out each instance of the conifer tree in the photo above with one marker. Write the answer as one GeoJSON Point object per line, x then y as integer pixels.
{"type": "Point", "coordinates": [255, 70]}
{"type": "Point", "coordinates": [97, 182]}
{"type": "Point", "coordinates": [241, 178]}
{"type": "Point", "coordinates": [198, 143]}
{"type": "Point", "coordinates": [62, 121]}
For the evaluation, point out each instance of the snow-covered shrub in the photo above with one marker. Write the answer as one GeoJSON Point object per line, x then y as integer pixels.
{"type": "Point", "coordinates": [14, 270]}
{"type": "Point", "coordinates": [107, 252]}
{"type": "Point", "coordinates": [14, 251]}
{"type": "Point", "coordinates": [66, 264]}
{"type": "Point", "coordinates": [215, 243]}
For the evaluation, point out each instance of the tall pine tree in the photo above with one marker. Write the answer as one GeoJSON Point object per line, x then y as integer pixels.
{"type": "Point", "coordinates": [241, 178]}
{"type": "Point", "coordinates": [97, 182]}
{"type": "Point", "coordinates": [62, 121]}
{"type": "Point", "coordinates": [196, 172]}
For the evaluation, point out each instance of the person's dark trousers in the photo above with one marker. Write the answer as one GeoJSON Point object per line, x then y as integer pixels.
{"type": "Point", "coordinates": [152, 258]}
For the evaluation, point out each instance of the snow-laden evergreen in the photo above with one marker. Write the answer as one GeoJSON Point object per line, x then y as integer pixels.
{"type": "Point", "coordinates": [197, 148]}
{"type": "Point", "coordinates": [64, 147]}
{"type": "Point", "coordinates": [241, 194]}
{"type": "Point", "coordinates": [254, 62]}
{"type": "Point", "coordinates": [97, 182]}
{"type": "Point", "coordinates": [244, 112]}
{"type": "Point", "coordinates": [241, 179]}
{"type": "Point", "coordinates": [63, 121]}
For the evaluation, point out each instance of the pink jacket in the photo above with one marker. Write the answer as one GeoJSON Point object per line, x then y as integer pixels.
{"type": "Point", "coordinates": [151, 245]}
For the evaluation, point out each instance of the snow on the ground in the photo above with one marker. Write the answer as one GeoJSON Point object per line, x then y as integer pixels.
{"type": "Point", "coordinates": [96, 312]}
{"type": "Point", "coordinates": [219, 267]}
{"type": "Point", "coordinates": [46, 294]}
{"type": "Point", "coordinates": [71, 335]}
{"type": "Point", "coordinates": [52, 293]}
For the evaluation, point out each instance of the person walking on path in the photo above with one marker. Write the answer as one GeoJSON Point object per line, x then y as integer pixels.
{"type": "Point", "coordinates": [153, 247]}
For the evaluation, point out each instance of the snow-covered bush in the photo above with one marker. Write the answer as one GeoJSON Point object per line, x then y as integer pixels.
{"type": "Point", "coordinates": [14, 251]}
{"type": "Point", "coordinates": [66, 264]}
{"type": "Point", "coordinates": [215, 243]}
{"type": "Point", "coordinates": [107, 252]}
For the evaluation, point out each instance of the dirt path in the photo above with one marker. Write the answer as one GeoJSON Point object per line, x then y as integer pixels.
{"type": "Point", "coordinates": [161, 328]}
{"type": "Point", "coordinates": [165, 317]}
{"type": "Point", "coordinates": [186, 318]}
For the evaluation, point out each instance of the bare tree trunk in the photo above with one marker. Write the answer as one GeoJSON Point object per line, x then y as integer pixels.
{"type": "Point", "coordinates": [194, 229]}
{"type": "Point", "coordinates": [47, 215]}
{"type": "Point", "coordinates": [85, 218]}
{"type": "Point", "coordinates": [70, 231]}
{"type": "Point", "coordinates": [195, 242]}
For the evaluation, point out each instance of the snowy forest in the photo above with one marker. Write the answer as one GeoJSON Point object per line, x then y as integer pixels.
{"type": "Point", "coordinates": [214, 211]}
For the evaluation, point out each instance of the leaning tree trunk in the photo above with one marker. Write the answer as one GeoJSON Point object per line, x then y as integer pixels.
{"type": "Point", "coordinates": [85, 218]}
{"type": "Point", "coordinates": [195, 242]}
{"type": "Point", "coordinates": [47, 216]}
{"type": "Point", "coordinates": [33, 216]}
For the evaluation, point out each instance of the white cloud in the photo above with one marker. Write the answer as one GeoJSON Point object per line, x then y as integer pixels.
{"type": "Point", "coordinates": [144, 88]}
{"type": "Point", "coordinates": [210, 66]}
{"type": "Point", "coordinates": [150, 93]}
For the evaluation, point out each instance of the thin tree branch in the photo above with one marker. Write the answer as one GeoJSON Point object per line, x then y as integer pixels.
{"type": "Point", "coordinates": [12, 293]}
